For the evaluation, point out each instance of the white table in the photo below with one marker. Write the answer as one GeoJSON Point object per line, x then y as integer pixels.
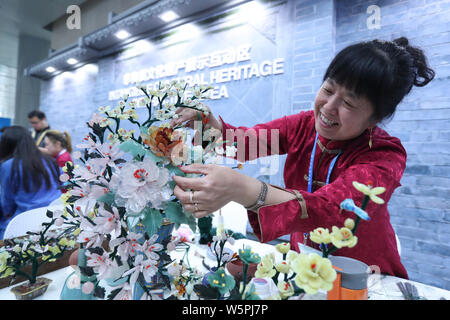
{"type": "Point", "coordinates": [380, 288]}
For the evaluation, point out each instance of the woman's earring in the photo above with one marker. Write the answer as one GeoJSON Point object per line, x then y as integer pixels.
{"type": "Point", "coordinates": [370, 138]}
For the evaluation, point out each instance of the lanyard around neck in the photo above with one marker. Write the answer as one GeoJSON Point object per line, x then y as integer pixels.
{"type": "Point", "coordinates": [311, 166]}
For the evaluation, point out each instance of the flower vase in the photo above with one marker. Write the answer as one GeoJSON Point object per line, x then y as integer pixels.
{"type": "Point", "coordinates": [351, 280]}
{"type": "Point", "coordinates": [72, 289]}
{"type": "Point", "coordinates": [164, 233]}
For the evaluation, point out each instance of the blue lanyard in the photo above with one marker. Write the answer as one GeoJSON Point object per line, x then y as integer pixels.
{"type": "Point", "coordinates": [311, 165]}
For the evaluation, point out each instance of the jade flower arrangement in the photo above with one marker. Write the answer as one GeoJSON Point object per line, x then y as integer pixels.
{"type": "Point", "coordinates": [120, 195]}
{"type": "Point", "coordinates": [217, 284]}
{"type": "Point", "coordinates": [296, 273]}
{"type": "Point", "coordinates": [25, 255]}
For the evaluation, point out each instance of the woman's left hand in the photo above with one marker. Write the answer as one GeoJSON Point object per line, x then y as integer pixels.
{"type": "Point", "coordinates": [209, 193]}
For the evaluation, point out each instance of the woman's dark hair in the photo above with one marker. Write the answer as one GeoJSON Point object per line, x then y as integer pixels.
{"type": "Point", "coordinates": [62, 137]}
{"type": "Point", "coordinates": [381, 71]}
{"type": "Point", "coordinates": [29, 167]}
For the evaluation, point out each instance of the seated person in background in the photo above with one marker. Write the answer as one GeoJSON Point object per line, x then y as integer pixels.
{"type": "Point", "coordinates": [59, 145]}
{"type": "Point", "coordinates": [29, 179]}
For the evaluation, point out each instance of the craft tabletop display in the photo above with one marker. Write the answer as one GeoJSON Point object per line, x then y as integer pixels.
{"type": "Point", "coordinates": [380, 287]}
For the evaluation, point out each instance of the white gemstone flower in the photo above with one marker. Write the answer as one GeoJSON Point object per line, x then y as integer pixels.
{"type": "Point", "coordinates": [100, 263]}
{"type": "Point", "coordinates": [126, 293]}
{"type": "Point", "coordinates": [74, 281]}
{"type": "Point", "coordinates": [127, 246]}
{"type": "Point", "coordinates": [146, 267]}
{"type": "Point", "coordinates": [95, 119]}
{"type": "Point", "coordinates": [150, 247]}
{"type": "Point", "coordinates": [161, 115]}
{"type": "Point", "coordinates": [142, 184]}
{"type": "Point", "coordinates": [88, 193]}
{"type": "Point", "coordinates": [231, 151]}
{"type": "Point", "coordinates": [90, 238]}
{"type": "Point", "coordinates": [106, 222]}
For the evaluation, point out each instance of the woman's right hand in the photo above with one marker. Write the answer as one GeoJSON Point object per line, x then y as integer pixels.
{"type": "Point", "coordinates": [187, 117]}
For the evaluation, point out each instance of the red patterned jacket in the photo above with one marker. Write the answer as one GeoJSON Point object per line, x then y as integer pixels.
{"type": "Point", "coordinates": [62, 158]}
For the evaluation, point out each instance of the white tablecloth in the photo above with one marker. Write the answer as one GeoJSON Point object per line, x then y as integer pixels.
{"type": "Point", "coordinates": [381, 287]}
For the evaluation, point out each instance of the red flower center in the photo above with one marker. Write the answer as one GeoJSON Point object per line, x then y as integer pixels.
{"type": "Point", "coordinates": [140, 174]}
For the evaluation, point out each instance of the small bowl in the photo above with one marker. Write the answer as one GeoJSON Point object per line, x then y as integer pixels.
{"type": "Point", "coordinates": [236, 269]}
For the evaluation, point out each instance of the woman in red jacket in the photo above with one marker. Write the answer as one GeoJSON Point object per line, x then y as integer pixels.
{"type": "Point", "coordinates": [59, 145]}
{"type": "Point", "coordinates": [327, 149]}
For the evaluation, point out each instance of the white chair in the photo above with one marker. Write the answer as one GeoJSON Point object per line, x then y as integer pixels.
{"type": "Point", "coordinates": [30, 220]}
{"type": "Point", "coordinates": [56, 202]}
{"type": "Point", "coordinates": [234, 217]}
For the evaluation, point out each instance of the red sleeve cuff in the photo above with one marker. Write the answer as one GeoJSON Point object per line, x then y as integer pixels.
{"type": "Point", "coordinates": [273, 221]}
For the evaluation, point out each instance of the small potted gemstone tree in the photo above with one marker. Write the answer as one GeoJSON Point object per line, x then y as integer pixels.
{"type": "Point", "coordinates": [25, 256]}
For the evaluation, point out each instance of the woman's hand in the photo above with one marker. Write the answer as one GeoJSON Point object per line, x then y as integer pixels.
{"type": "Point", "coordinates": [218, 186]}
{"type": "Point", "coordinates": [188, 117]}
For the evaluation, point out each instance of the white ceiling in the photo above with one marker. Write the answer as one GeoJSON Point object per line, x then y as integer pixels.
{"type": "Point", "coordinates": [31, 16]}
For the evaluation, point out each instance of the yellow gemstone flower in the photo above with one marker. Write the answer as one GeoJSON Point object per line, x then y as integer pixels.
{"type": "Point", "coordinates": [65, 197]}
{"type": "Point", "coordinates": [343, 237]}
{"type": "Point", "coordinates": [313, 273]}
{"type": "Point", "coordinates": [265, 268]}
{"type": "Point", "coordinates": [3, 260]}
{"type": "Point", "coordinates": [286, 289]}
{"type": "Point", "coordinates": [64, 169]}
{"type": "Point", "coordinates": [66, 242]}
{"type": "Point", "coordinates": [283, 247]}
{"type": "Point", "coordinates": [283, 267]}
{"type": "Point", "coordinates": [17, 249]}
{"type": "Point", "coordinates": [77, 232]}
{"type": "Point", "coordinates": [54, 249]}
{"type": "Point", "coordinates": [46, 257]}
{"type": "Point", "coordinates": [369, 191]}
{"type": "Point", "coordinates": [320, 235]}
{"type": "Point", "coordinates": [292, 255]}
{"type": "Point", "coordinates": [349, 223]}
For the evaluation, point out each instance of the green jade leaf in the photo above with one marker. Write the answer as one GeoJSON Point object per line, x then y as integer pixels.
{"type": "Point", "coordinates": [152, 220]}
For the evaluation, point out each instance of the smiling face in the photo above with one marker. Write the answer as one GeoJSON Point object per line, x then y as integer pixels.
{"type": "Point", "coordinates": [339, 114]}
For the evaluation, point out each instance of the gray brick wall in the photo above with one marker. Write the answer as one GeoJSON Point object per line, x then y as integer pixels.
{"type": "Point", "coordinates": [308, 35]}
{"type": "Point", "coordinates": [420, 209]}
